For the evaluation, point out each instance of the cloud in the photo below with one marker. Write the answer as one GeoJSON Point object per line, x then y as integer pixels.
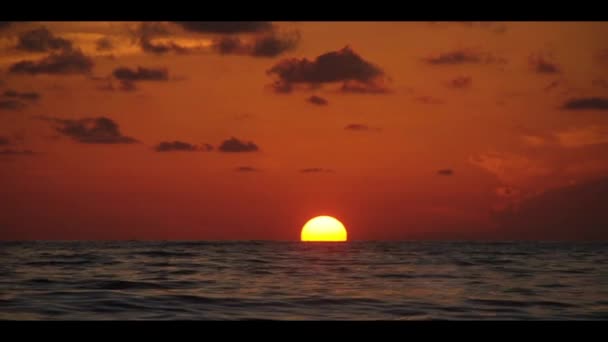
{"type": "Point", "coordinates": [337, 66]}
{"type": "Point", "coordinates": [584, 136]}
{"type": "Point", "coordinates": [140, 74]}
{"type": "Point", "coordinates": [161, 48]}
{"type": "Point", "coordinates": [464, 56]}
{"type": "Point", "coordinates": [104, 44]}
{"type": "Point", "coordinates": [42, 40]}
{"type": "Point", "coordinates": [428, 100]}
{"type": "Point", "coordinates": [64, 63]}
{"type": "Point", "coordinates": [357, 127]}
{"type": "Point", "coordinates": [510, 168]}
{"type": "Point", "coordinates": [100, 130]}
{"type": "Point", "coordinates": [246, 169]}
{"type": "Point", "coordinates": [316, 170]}
{"type": "Point", "coordinates": [601, 83]}
{"type": "Point", "coordinates": [551, 86]}
{"type": "Point", "coordinates": [171, 146]}
{"type": "Point", "coordinates": [11, 152]}
{"type": "Point", "coordinates": [269, 45]}
{"type": "Point", "coordinates": [317, 100]}
{"type": "Point", "coordinates": [586, 103]}
{"type": "Point", "coordinates": [445, 172]}
{"type": "Point", "coordinates": [507, 191]}
{"type": "Point", "coordinates": [235, 145]}
{"type": "Point", "coordinates": [357, 87]}
{"type": "Point", "coordinates": [542, 65]}
{"type": "Point", "coordinates": [5, 24]}
{"type": "Point", "coordinates": [460, 82]}
{"type": "Point", "coordinates": [574, 212]}
{"type": "Point", "coordinates": [30, 96]}
{"type": "Point", "coordinates": [226, 27]}
{"type": "Point", "coordinates": [11, 105]}
{"type": "Point", "coordinates": [4, 141]}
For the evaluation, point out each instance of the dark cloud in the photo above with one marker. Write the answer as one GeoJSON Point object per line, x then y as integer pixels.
{"type": "Point", "coordinates": [578, 212]}
{"type": "Point", "coordinates": [597, 103]}
{"type": "Point", "coordinates": [317, 100]}
{"type": "Point", "coordinates": [66, 62]}
{"type": "Point", "coordinates": [171, 146]}
{"type": "Point", "coordinates": [357, 87]}
{"type": "Point", "coordinates": [464, 57]}
{"type": "Point", "coordinates": [316, 170]}
{"type": "Point", "coordinates": [357, 127]}
{"type": "Point", "coordinates": [542, 65]}
{"type": "Point", "coordinates": [337, 66]}
{"type": "Point", "coordinates": [104, 44]}
{"type": "Point", "coordinates": [140, 74]}
{"type": "Point", "coordinates": [161, 48]}
{"type": "Point", "coordinates": [5, 24]}
{"type": "Point", "coordinates": [460, 82]}
{"type": "Point", "coordinates": [445, 172]}
{"type": "Point", "coordinates": [235, 145]}
{"type": "Point", "coordinates": [246, 169]}
{"type": "Point", "coordinates": [428, 100]}
{"type": "Point", "coordinates": [11, 152]}
{"type": "Point", "coordinates": [31, 96]}
{"type": "Point", "coordinates": [225, 27]}
{"type": "Point", "coordinates": [11, 105]}
{"type": "Point", "coordinates": [4, 141]}
{"type": "Point", "coordinates": [100, 130]}
{"type": "Point", "coordinates": [270, 45]}
{"type": "Point", "coordinates": [601, 83]}
{"type": "Point", "coordinates": [42, 40]}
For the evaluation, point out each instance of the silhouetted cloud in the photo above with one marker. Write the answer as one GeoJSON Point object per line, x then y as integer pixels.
{"type": "Point", "coordinates": [428, 100]}
{"type": "Point", "coordinates": [31, 96]}
{"type": "Point", "coordinates": [100, 130]}
{"type": "Point", "coordinates": [235, 145]}
{"type": "Point", "coordinates": [171, 146]}
{"type": "Point", "coordinates": [576, 212]}
{"type": "Point", "coordinates": [445, 172]}
{"type": "Point", "coordinates": [140, 74]}
{"type": "Point", "coordinates": [269, 45]}
{"type": "Point", "coordinates": [464, 56]}
{"type": "Point", "coordinates": [246, 169]}
{"type": "Point", "coordinates": [104, 44]}
{"type": "Point", "coordinates": [460, 82]}
{"type": "Point", "coordinates": [5, 24]}
{"type": "Point", "coordinates": [42, 40]}
{"type": "Point", "coordinates": [541, 65]}
{"type": "Point", "coordinates": [161, 48]}
{"type": "Point", "coordinates": [11, 105]}
{"type": "Point", "coordinates": [317, 100]}
{"type": "Point", "coordinates": [225, 27]}
{"type": "Point", "coordinates": [66, 62]}
{"type": "Point", "coordinates": [337, 66]}
{"type": "Point", "coordinates": [316, 170]}
{"type": "Point", "coordinates": [357, 127]}
{"type": "Point", "coordinates": [597, 103]}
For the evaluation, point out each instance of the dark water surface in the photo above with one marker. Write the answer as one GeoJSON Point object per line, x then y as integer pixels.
{"type": "Point", "coordinates": [295, 281]}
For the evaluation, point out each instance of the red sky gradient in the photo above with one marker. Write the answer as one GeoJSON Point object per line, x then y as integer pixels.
{"type": "Point", "coordinates": [402, 130]}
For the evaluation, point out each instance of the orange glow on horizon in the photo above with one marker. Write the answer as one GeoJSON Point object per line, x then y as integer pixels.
{"type": "Point", "coordinates": [323, 228]}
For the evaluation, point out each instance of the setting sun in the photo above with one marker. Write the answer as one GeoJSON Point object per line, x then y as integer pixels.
{"type": "Point", "coordinates": [323, 228]}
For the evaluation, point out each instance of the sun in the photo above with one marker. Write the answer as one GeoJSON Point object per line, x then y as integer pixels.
{"type": "Point", "coordinates": [323, 228]}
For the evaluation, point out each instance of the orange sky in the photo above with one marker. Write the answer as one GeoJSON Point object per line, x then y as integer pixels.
{"type": "Point", "coordinates": [450, 130]}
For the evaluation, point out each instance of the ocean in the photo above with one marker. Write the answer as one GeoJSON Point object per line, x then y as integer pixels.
{"type": "Point", "coordinates": [303, 281]}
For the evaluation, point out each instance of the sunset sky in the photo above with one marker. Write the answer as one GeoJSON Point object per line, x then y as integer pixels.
{"type": "Point", "coordinates": [245, 130]}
